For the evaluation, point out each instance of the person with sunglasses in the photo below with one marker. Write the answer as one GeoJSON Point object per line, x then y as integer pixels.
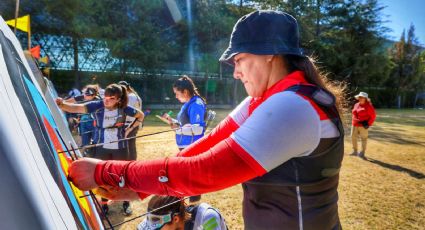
{"type": "Point", "coordinates": [85, 124]}
{"type": "Point", "coordinates": [110, 115]}
{"type": "Point", "coordinates": [171, 213]}
{"type": "Point", "coordinates": [284, 142]}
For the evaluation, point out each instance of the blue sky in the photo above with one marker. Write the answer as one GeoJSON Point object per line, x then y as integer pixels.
{"type": "Point", "coordinates": [401, 13]}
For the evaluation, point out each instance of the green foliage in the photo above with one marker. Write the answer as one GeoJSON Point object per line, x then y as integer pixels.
{"type": "Point", "coordinates": [408, 68]}
{"type": "Point", "coordinates": [346, 36]}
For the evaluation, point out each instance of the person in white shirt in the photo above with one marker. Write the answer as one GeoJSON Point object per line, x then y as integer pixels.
{"type": "Point", "coordinates": [136, 102]}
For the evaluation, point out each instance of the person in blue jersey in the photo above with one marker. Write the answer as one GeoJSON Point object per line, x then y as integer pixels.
{"type": "Point", "coordinates": [191, 118]}
{"type": "Point", "coordinates": [110, 115]}
{"type": "Point", "coordinates": [86, 128]}
{"type": "Point", "coordinates": [192, 113]}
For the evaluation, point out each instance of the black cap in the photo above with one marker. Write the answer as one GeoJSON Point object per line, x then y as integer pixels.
{"type": "Point", "coordinates": [90, 92]}
{"type": "Point", "coordinates": [124, 83]}
{"type": "Point", "coordinates": [264, 32]}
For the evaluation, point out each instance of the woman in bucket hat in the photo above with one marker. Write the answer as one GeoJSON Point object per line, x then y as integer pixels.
{"type": "Point", "coordinates": [284, 142]}
{"type": "Point", "coordinates": [363, 116]}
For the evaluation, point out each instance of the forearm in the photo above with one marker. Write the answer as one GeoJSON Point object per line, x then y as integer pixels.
{"type": "Point", "coordinates": [221, 132]}
{"type": "Point", "coordinates": [112, 193]}
{"type": "Point", "coordinates": [213, 170]}
{"type": "Point", "coordinates": [72, 108]}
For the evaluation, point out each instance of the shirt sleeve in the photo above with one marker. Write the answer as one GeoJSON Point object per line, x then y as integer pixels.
{"type": "Point", "coordinates": [211, 220]}
{"type": "Point", "coordinates": [130, 111]}
{"type": "Point", "coordinates": [93, 106]}
{"type": "Point", "coordinates": [372, 114]}
{"type": "Point", "coordinates": [283, 127]}
{"type": "Point", "coordinates": [213, 170]}
{"type": "Point", "coordinates": [222, 131]}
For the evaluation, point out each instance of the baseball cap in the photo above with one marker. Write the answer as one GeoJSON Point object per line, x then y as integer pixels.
{"type": "Point", "coordinates": [90, 92]}
{"type": "Point", "coordinates": [264, 32]}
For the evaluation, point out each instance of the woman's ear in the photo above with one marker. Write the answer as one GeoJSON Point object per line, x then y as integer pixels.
{"type": "Point", "coordinates": [176, 219]}
{"type": "Point", "coordinates": [186, 92]}
{"type": "Point", "coordinates": [269, 58]}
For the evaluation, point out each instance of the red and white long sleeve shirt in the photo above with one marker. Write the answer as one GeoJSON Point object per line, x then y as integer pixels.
{"type": "Point", "coordinates": [257, 136]}
{"type": "Point", "coordinates": [363, 112]}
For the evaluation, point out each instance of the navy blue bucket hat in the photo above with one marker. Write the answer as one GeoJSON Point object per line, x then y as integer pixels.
{"type": "Point", "coordinates": [264, 32]}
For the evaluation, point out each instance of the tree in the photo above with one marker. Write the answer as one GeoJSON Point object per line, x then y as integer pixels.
{"type": "Point", "coordinates": [408, 66]}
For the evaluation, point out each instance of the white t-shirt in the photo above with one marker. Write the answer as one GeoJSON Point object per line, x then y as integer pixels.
{"type": "Point", "coordinates": [110, 135]}
{"type": "Point", "coordinates": [135, 102]}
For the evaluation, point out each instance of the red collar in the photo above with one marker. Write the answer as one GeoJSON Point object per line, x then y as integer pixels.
{"type": "Point", "coordinates": [294, 78]}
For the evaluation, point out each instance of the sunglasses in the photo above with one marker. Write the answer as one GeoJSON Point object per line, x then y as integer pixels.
{"type": "Point", "coordinates": [157, 221]}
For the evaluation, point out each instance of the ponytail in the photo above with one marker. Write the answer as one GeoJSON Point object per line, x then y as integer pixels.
{"type": "Point", "coordinates": [186, 83]}
{"type": "Point", "coordinates": [314, 76]}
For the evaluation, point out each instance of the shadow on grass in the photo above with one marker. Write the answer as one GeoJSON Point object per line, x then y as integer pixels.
{"type": "Point", "coordinates": [380, 134]}
{"type": "Point", "coordinates": [398, 168]}
{"type": "Point", "coordinates": [413, 121]}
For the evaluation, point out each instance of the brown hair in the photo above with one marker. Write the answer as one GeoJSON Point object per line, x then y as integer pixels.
{"type": "Point", "coordinates": [128, 87]}
{"type": "Point", "coordinates": [314, 76]}
{"type": "Point", "coordinates": [186, 83]}
{"type": "Point", "coordinates": [172, 205]}
{"type": "Point", "coordinates": [118, 91]}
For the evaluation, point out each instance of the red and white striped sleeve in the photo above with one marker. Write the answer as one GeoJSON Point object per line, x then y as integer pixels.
{"type": "Point", "coordinates": [284, 126]}
{"type": "Point", "coordinates": [223, 130]}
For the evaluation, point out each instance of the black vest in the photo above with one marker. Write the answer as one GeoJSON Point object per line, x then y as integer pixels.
{"type": "Point", "coordinates": [301, 193]}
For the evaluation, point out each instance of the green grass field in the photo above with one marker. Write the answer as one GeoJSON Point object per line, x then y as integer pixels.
{"type": "Point", "coordinates": [385, 191]}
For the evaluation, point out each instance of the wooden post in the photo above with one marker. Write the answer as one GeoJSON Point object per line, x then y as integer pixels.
{"type": "Point", "coordinates": [29, 32]}
{"type": "Point", "coordinates": [16, 15]}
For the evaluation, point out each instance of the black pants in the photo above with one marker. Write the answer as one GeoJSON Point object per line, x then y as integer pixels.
{"type": "Point", "coordinates": [110, 154]}
{"type": "Point", "coordinates": [132, 150]}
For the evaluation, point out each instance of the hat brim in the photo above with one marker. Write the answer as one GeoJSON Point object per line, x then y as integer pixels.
{"type": "Point", "coordinates": [357, 96]}
{"type": "Point", "coordinates": [268, 48]}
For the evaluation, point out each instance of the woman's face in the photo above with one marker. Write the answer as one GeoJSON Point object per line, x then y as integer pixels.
{"type": "Point", "coordinates": [111, 101]}
{"type": "Point", "coordinates": [253, 71]}
{"type": "Point", "coordinates": [362, 100]}
{"type": "Point", "coordinates": [182, 96]}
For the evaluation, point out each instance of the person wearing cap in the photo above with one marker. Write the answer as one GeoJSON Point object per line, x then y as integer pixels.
{"type": "Point", "coordinates": [169, 213]}
{"type": "Point", "coordinates": [135, 101]}
{"type": "Point", "coordinates": [363, 116]}
{"type": "Point", "coordinates": [86, 127]}
{"type": "Point", "coordinates": [284, 142]}
{"type": "Point", "coordinates": [85, 121]}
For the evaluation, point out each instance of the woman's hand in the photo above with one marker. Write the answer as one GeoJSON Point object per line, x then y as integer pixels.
{"type": "Point", "coordinates": [128, 131]}
{"type": "Point", "coordinates": [81, 173]}
{"type": "Point", "coordinates": [59, 101]}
